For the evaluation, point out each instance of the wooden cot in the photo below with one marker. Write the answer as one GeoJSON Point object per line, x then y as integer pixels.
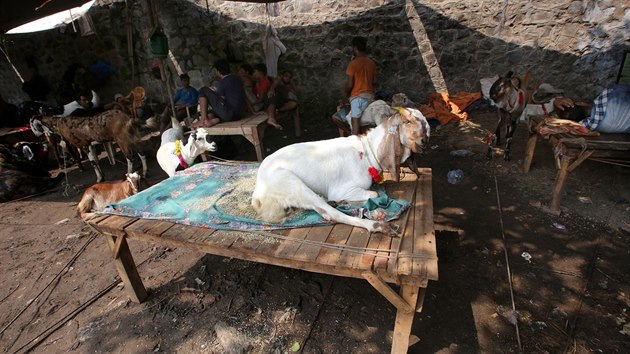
{"type": "Point", "coordinates": [408, 261]}
{"type": "Point", "coordinates": [571, 150]}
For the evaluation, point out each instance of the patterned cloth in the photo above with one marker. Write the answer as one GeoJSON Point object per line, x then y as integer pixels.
{"type": "Point", "coordinates": [611, 110]}
{"type": "Point", "coordinates": [599, 111]}
{"type": "Point", "coordinates": [218, 196]}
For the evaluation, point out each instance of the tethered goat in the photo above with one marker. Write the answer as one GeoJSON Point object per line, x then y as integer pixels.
{"type": "Point", "coordinates": [113, 125]}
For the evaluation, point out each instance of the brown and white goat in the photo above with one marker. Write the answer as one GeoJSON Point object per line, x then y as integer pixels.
{"type": "Point", "coordinates": [99, 195]}
{"type": "Point", "coordinates": [510, 97]}
{"type": "Point", "coordinates": [113, 125]}
{"type": "Point", "coordinates": [307, 175]}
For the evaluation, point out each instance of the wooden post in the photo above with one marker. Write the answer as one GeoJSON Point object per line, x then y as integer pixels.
{"type": "Point", "coordinates": [404, 320]}
{"type": "Point", "coordinates": [167, 81]}
{"type": "Point", "coordinates": [561, 181]}
{"type": "Point", "coordinates": [529, 151]}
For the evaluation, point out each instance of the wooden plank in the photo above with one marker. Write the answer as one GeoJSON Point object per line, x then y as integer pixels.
{"type": "Point", "coordinates": [424, 236]}
{"type": "Point", "coordinates": [308, 251]}
{"type": "Point", "coordinates": [237, 127]}
{"type": "Point", "coordinates": [387, 292]}
{"type": "Point", "coordinates": [358, 238]}
{"type": "Point", "coordinates": [404, 244]}
{"type": "Point", "coordinates": [270, 245]}
{"type": "Point", "coordinates": [249, 241]}
{"type": "Point", "coordinates": [368, 259]}
{"type": "Point", "coordinates": [403, 264]}
{"type": "Point", "coordinates": [387, 260]}
{"type": "Point", "coordinates": [338, 236]}
{"type": "Point", "coordinates": [143, 227]}
{"type": "Point", "coordinates": [114, 225]}
{"type": "Point", "coordinates": [288, 246]}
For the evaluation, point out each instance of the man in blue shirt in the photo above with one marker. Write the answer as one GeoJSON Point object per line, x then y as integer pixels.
{"type": "Point", "coordinates": [185, 97]}
{"type": "Point", "coordinates": [225, 104]}
{"type": "Point", "coordinates": [610, 111]}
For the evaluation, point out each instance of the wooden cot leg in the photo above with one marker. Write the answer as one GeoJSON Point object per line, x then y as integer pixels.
{"type": "Point", "coordinates": [127, 269]}
{"type": "Point", "coordinates": [529, 151]}
{"type": "Point", "coordinates": [561, 181]}
{"type": "Point", "coordinates": [404, 320]}
{"type": "Point", "coordinates": [256, 139]}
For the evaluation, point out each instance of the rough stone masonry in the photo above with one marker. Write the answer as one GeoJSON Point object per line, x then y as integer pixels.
{"type": "Point", "coordinates": [420, 46]}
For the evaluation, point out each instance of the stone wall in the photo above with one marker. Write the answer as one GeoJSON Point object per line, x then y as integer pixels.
{"type": "Point", "coordinates": [420, 46]}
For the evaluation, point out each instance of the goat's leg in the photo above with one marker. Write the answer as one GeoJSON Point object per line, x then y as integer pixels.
{"type": "Point", "coordinates": [131, 164]}
{"type": "Point", "coordinates": [496, 139]}
{"type": "Point", "coordinates": [53, 144]}
{"type": "Point", "coordinates": [143, 160]}
{"type": "Point", "coordinates": [93, 157]}
{"type": "Point", "coordinates": [76, 155]}
{"type": "Point", "coordinates": [508, 137]}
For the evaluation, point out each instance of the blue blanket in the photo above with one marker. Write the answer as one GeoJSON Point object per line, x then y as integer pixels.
{"type": "Point", "coordinates": [218, 196]}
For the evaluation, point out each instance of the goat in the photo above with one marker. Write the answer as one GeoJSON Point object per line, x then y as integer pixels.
{"type": "Point", "coordinates": [113, 125]}
{"type": "Point", "coordinates": [511, 99]}
{"type": "Point", "coordinates": [96, 197]}
{"type": "Point", "coordinates": [173, 155]}
{"type": "Point", "coordinates": [338, 169]}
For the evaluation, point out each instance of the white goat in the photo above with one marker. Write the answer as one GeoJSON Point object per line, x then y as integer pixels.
{"type": "Point", "coordinates": [174, 154]}
{"type": "Point", "coordinates": [337, 169]}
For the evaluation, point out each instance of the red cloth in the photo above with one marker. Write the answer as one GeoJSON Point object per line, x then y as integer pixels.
{"type": "Point", "coordinates": [261, 87]}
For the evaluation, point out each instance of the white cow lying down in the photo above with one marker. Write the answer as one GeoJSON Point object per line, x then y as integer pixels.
{"type": "Point", "coordinates": [299, 175]}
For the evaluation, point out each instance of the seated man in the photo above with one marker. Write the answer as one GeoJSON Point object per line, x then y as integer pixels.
{"type": "Point", "coordinates": [185, 97]}
{"type": "Point", "coordinates": [261, 87]}
{"type": "Point", "coordinates": [610, 112]}
{"type": "Point", "coordinates": [282, 97]}
{"type": "Point", "coordinates": [85, 105]}
{"type": "Point", "coordinates": [246, 74]}
{"type": "Point", "coordinates": [225, 104]}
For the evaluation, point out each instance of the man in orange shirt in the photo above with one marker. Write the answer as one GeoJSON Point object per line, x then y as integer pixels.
{"type": "Point", "coordinates": [359, 88]}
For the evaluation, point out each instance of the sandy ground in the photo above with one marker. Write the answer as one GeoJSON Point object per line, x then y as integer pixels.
{"type": "Point", "coordinates": [570, 282]}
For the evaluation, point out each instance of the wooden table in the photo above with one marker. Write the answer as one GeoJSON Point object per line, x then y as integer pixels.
{"type": "Point", "coordinates": [409, 261]}
{"type": "Point", "coordinates": [571, 150]}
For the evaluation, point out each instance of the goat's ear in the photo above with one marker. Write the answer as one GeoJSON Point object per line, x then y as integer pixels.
{"type": "Point", "coordinates": [391, 149]}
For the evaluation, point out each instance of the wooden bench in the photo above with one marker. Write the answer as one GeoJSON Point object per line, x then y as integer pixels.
{"type": "Point", "coordinates": [253, 129]}
{"type": "Point", "coordinates": [409, 261]}
{"type": "Point", "coordinates": [571, 150]}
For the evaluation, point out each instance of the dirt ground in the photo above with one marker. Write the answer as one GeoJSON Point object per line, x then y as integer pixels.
{"type": "Point", "coordinates": [570, 274]}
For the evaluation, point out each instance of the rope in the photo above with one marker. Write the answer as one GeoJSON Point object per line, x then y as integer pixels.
{"type": "Point", "coordinates": [507, 265]}
{"type": "Point", "coordinates": [31, 344]}
{"type": "Point", "coordinates": [372, 151]}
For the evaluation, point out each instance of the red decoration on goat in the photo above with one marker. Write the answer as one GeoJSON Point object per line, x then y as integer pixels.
{"type": "Point", "coordinates": [376, 176]}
